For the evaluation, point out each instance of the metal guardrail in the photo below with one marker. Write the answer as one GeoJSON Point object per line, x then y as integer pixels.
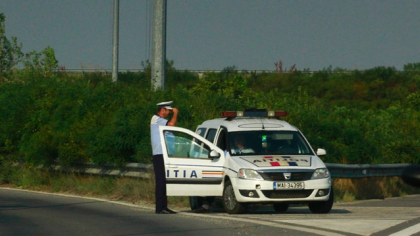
{"type": "Point", "coordinates": [239, 71]}
{"type": "Point", "coordinates": [109, 71]}
{"type": "Point", "coordinates": [138, 170]}
{"type": "Point", "coordinates": [365, 170]}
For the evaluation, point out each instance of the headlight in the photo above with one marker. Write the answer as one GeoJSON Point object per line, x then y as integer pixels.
{"type": "Point", "coordinates": [249, 174]}
{"type": "Point", "coordinates": [321, 173]}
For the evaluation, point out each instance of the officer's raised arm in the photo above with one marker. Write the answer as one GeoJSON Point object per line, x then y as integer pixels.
{"type": "Point", "coordinates": [174, 118]}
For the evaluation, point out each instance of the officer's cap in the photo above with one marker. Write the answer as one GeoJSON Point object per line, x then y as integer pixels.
{"type": "Point", "coordinates": [166, 105]}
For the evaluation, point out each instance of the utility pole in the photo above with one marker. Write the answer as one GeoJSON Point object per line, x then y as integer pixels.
{"type": "Point", "coordinates": [115, 42]}
{"type": "Point", "coordinates": [159, 44]}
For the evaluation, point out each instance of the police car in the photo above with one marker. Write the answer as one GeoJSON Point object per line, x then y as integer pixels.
{"type": "Point", "coordinates": [276, 166]}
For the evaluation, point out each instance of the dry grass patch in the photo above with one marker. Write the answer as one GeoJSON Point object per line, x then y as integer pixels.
{"type": "Point", "coordinates": [347, 190]}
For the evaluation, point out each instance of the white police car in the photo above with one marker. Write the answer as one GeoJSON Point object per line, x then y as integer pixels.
{"type": "Point", "coordinates": [276, 165]}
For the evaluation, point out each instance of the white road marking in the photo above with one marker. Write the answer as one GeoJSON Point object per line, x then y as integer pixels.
{"type": "Point", "coordinates": [362, 227]}
{"type": "Point", "coordinates": [272, 224]}
{"type": "Point", "coordinates": [408, 231]}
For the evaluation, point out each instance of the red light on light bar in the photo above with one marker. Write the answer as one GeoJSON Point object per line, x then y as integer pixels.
{"type": "Point", "coordinates": [280, 113]}
{"type": "Point", "coordinates": [228, 114]}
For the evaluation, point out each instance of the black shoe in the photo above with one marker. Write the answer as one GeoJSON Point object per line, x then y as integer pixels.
{"type": "Point", "coordinates": [201, 210]}
{"type": "Point", "coordinates": [166, 211]}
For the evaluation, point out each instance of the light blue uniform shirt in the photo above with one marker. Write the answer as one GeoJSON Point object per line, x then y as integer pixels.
{"type": "Point", "coordinates": [154, 133]}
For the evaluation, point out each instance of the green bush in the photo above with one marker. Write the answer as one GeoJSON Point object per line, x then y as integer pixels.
{"type": "Point", "coordinates": [358, 117]}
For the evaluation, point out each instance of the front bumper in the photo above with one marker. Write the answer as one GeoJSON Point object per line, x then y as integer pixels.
{"type": "Point", "coordinates": [263, 191]}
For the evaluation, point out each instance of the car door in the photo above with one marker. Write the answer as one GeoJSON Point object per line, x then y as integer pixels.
{"type": "Point", "coordinates": [190, 171]}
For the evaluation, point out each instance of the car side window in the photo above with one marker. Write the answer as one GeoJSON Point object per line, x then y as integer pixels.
{"type": "Point", "coordinates": [221, 140]}
{"type": "Point", "coordinates": [183, 145]}
{"type": "Point", "coordinates": [201, 131]}
{"type": "Point", "coordinates": [211, 134]}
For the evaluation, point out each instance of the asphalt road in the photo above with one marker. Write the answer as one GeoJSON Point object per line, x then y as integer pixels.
{"type": "Point", "coordinates": [33, 213]}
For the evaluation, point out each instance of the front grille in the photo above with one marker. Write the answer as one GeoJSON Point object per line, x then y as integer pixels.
{"type": "Point", "coordinates": [287, 193]}
{"type": "Point", "coordinates": [278, 176]}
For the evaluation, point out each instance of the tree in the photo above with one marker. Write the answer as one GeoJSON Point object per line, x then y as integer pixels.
{"type": "Point", "coordinates": [11, 55]}
{"type": "Point", "coordinates": [42, 62]}
{"type": "Point", "coordinates": [10, 51]}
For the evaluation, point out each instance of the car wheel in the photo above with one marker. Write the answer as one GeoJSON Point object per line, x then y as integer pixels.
{"type": "Point", "coordinates": [196, 202]}
{"type": "Point", "coordinates": [229, 200]}
{"type": "Point", "coordinates": [281, 207]}
{"type": "Point", "coordinates": [324, 206]}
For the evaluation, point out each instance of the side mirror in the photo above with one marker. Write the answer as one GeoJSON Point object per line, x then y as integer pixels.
{"type": "Point", "coordinates": [321, 152]}
{"type": "Point", "coordinates": [213, 154]}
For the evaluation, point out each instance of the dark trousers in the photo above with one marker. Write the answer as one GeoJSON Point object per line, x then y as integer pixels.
{"type": "Point", "coordinates": [160, 178]}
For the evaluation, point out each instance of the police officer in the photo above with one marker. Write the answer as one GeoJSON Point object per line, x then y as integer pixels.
{"type": "Point", "coordinates": [164, 109]}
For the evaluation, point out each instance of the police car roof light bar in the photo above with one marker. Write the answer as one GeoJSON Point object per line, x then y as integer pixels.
{"type": "Point", "coordinates": [255, 113]}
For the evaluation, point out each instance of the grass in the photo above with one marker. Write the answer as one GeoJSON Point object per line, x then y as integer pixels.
{"type": "Point", "coordinates": [126, 189]}
{"type": "Point", "coordinates": [347, 190]}
{"type": "Point", "coordinates": [141, 191]}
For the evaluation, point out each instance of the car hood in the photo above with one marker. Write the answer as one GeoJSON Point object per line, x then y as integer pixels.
{"type": "Point", "coordinates": [264, 162]}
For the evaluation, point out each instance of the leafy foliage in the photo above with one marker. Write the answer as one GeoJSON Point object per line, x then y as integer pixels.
{"type": "Point", "coordinates": [87, 118]}
{"type": "Point", "coordinates": [41, 62]}
{"type": "Point", "coordinates": [10, 50]}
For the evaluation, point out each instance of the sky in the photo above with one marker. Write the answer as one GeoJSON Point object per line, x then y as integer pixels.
{"type": "Point", "coordinates": [215, 34]}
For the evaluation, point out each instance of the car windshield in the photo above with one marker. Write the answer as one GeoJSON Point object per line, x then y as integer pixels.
{"type": "Point", "coordinates": [268, 143]}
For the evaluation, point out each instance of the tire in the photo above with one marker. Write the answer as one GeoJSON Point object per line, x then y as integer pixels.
{"type": "Point", "coordinates": [281, 207]}
{"type": "Point", "coordinates": [196, 202]}
{"type": "Point", "coordinates": [324, 206]}
{"type": "Point", "coordinates": [231, 205]}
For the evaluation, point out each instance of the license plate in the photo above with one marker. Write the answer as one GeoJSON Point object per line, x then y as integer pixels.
{"type": "Point", "coordinates": [289, 185]}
